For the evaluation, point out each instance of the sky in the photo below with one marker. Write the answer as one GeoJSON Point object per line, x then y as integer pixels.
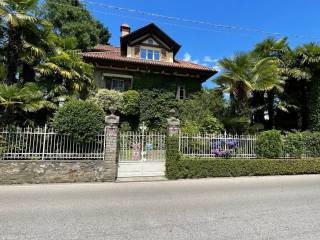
{"type": "Point", "coordinates": [209, 39]}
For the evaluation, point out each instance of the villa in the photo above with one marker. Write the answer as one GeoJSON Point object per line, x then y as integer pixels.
{"type": "Point", "coordinates": [146, 59]}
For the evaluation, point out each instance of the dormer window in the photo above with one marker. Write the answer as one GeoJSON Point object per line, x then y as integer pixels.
{"type": "Point", "coordinates": [150, 54]}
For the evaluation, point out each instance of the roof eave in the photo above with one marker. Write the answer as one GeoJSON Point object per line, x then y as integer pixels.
{"type": "Point", "coordinates": [205, 73]}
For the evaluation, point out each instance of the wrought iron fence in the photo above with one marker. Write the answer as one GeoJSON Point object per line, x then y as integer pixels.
{"type": "Point", "coordinates": [222, 145]}
{"type": "Point", "coordinates": [46, 144]}
{"type": "Point", "coordinates": [141, 146]}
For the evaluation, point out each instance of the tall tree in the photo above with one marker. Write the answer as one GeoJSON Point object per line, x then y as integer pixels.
{"type": "Point", "coordinates": [308, 57]}
{"type": "Point", "coordinates": [71, 19]}
{"type": "Point", "coordinates": [18, 20]}
{"type": "Point", "coordinates": [288, 71]}
{"type": "Point", "coordinates": [63, 71]}
{"type": "Point", "coordinates": [279, 49]}
{"type": "Point", "coordinates": [244, 74]}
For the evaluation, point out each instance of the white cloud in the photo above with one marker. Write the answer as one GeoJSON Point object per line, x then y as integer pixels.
{"type": "Point", "coordinates": [206, 61]}
{"type": "Point", "coordinates": [217, 68]}
{"type": "Point", "coordinates": [209, 59]}
{"type": "Point", "coordinates": [187, 57]}
{"type": "Point", "coordinates": [213, 62]}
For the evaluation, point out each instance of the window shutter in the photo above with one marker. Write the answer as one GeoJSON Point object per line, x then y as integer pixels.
{"type": "Point", "coordinates": [164, 53]}
{"type": "Point", "coordinates": [136, 50]}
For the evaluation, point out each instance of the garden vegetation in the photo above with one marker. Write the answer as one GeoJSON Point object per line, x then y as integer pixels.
{"type": "Point", "coordinates": [179, 167]}
{"type": "Point", "coordinates": [273, 86]}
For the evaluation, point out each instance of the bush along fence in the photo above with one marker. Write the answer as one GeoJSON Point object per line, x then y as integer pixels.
{"type": "Point", "coordinates": [268, 153]}
{"type": "Point", "coordinates": [44, 156]}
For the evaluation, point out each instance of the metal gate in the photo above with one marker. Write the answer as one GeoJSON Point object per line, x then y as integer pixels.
{"type": "Point", "coordinates": [141, 154]}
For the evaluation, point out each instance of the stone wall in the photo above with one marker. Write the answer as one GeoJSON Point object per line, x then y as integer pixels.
{"type": "Point", "coordinates": [19, 172]}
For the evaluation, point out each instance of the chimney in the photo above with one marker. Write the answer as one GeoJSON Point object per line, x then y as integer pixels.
{"type": "Point", "coordinates": [124, 29]}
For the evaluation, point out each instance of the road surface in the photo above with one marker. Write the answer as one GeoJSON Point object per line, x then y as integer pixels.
{"type": "Point", "coordinates": [286, 207]}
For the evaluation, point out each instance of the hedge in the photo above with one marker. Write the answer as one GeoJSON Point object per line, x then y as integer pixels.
{"type": "Point", "coordinates": [82, 120]}
{"type": "Point", "coordinates": [178, 166]}
{"type": "Point", "coordinates": [201, 168]}
{"type": "Point", "coordinates": [172, 157]}
{"type": "Point", "coordinates": [269, 144]}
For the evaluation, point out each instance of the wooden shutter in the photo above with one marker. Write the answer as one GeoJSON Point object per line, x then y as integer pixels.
{"type": "Point", "coordinates": [163, 54]}
{"type": "Point", "coordinates": [136, 50]}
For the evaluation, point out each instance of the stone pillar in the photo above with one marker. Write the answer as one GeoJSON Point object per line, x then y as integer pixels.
{"type": "Point", "coordinates": [110, 157]}
{"type": "Point", "coordinates": [173, 124]}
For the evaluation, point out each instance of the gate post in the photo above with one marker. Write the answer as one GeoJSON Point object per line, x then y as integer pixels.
{"type": "Point", "coordinates": [110, 152]}
{"type": "Point", "coordinates": [173, 124]}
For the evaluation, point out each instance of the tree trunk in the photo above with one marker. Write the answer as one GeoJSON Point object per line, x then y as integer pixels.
{"type": "Point", "coordinates": [28, 73]}
{"type": "Point", "coordinates": [232, 104]}
{"type": "Point", "coordinates": [258, 102]}
{"type": "Point", "coordinates": [14, 47]}
{"type": "Point", "coordinates": [271, 95]}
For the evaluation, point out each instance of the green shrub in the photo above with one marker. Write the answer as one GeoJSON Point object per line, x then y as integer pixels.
{"type": "Point", "coordinates": [131, 100]}
{"type": "Point", "coordinates": [314, 104]}
{"type": "Point", "coordinates": [211, 125]}
{"type": "Point", "coordinates": [125, 127]}
{"type": "Point", "coordinates": [208, 124]}
{"type": "Point", "coordinates": [312, 143]}
{"type": "Point", "coordinates": [155, 106]}
{"type": "Point", "coordinates": [172, 157]}
{"type": "Point", "coordinates": [293, 145]}
{"type": "Point", "coordinates": [202, 168]}
{"type": "Point", "coordinates": [108, 99]}
{"type": "Point", "coordinates": [2, 145]}
{"type": "Point", "coordinates": [190, 127]}
{"type": "Point", "coordinates": [269, 144]}
{"type": "Point", "coordinates": [83, 120]}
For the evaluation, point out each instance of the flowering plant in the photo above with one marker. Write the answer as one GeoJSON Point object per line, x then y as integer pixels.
{"type": "Point", "coordinates": [221, 153]}
{"type": "Point", "coordinates": [223, 148]}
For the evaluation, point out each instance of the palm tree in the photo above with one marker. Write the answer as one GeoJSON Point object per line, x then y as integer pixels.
{"type": "Point", "coordinates": [2, 72]}
{"type": "Point", "coordinates": [243, 74]}
{"type": "Point", "coordinates": [17, 20]}
{"type": "Point", "coordinates": [308, 58]}
{"type": "Point", "coordinates": [67, 71]}
{"type": "Point", "coordinates": [18, 100]}
{"type": "Point", "coordinates": [288, 71]}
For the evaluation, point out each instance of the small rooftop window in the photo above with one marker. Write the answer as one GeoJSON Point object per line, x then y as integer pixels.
{"type": "Point", "coordinates": [150, 54]}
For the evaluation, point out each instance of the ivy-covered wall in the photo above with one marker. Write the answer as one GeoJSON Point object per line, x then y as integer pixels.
{"type": "Point", "coordinates": [150, 81]}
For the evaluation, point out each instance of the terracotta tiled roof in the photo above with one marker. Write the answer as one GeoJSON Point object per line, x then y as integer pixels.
{"type": "Point", "coordinates": [104, 47]}
{"type": "Point", "coordinates": [108, 52]}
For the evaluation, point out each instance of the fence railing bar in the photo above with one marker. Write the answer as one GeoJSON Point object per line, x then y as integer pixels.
{"type": "Point", "coordinates": [45, 144]}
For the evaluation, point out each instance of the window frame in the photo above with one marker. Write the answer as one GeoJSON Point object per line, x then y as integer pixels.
{"type": "Point", "coordinates": [181, 89]}
{"type": "Point", "coordinates": [107, 80]}
{"type": "Point", "coordinates": [150, 52]}
{"type": "Point", "coordinates": [118, 80]}
{"type": "Point", "coordinates": [143, 50]}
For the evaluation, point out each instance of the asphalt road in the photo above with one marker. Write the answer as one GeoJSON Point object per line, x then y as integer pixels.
{"type": "Point", "coordinates": [225, 208]}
